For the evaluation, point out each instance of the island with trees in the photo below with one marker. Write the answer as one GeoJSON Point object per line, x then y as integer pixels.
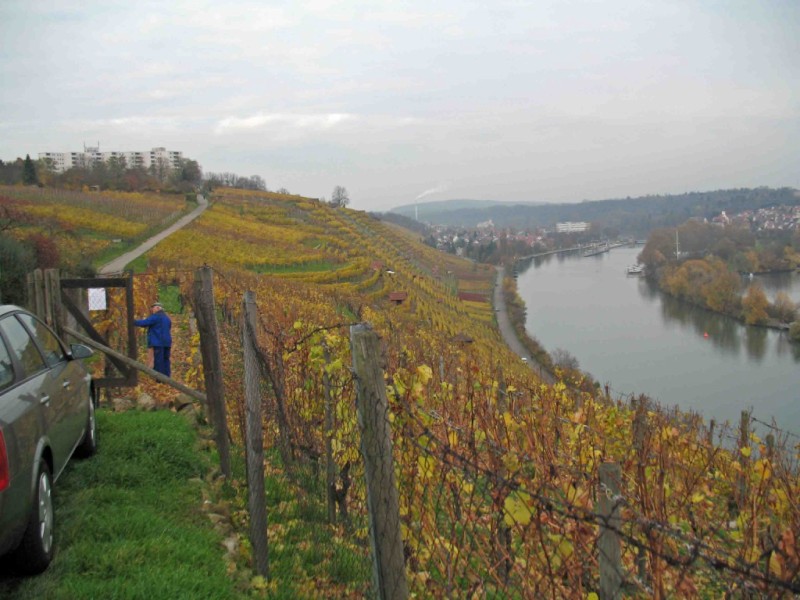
{"type": "Point", "coordinates": [712, 264]}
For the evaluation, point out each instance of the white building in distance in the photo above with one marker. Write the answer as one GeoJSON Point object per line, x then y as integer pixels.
{"type": "Point", "coordinates": [159, 158]}
{"type": "Point", "coordinates": [572, 227]}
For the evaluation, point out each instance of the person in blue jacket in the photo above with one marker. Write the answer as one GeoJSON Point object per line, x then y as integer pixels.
{"type": "Point", "coordinates": [159, 338]}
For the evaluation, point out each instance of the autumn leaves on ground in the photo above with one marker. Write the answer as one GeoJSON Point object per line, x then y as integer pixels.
{"type": "Point", "coordinates": [497, 473]}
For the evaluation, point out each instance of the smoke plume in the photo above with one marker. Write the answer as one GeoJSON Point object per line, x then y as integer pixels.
{"type": "Point", "coordinates": [439, 188]}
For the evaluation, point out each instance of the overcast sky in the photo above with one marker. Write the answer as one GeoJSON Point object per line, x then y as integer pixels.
{"type": "Point", "coordinates": [541, 100]}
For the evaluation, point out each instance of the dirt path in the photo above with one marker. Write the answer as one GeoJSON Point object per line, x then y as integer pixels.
{"type": "Point", "coordinates": [118, 264]}
{"type": "Point", "coordinates": [507, 330]}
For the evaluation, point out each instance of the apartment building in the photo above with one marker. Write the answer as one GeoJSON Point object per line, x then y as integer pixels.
{"type": "Point", "coordinates": [159, 158]}
{"type": "Point", "coordinates": [571, 227]}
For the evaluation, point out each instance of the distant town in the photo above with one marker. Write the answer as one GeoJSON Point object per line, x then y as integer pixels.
{"type": "Point", "coordinates": [486, 239]}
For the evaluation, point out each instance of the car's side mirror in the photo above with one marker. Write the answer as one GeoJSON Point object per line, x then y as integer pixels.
{"type": "Point", "coordinates": [80, 351]}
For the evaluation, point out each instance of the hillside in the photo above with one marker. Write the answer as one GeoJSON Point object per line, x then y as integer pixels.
{"type": "Point", "coordinates": [636, 216]}
{"type": "Point", "coordinates": [498, 474]}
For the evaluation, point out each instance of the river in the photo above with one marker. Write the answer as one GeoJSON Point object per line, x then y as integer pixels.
{"type": "Point", "coordinates": [637, 340]}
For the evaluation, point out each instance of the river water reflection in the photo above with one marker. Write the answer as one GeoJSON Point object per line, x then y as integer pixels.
{"type": "Point", "coordinates": [629, 335]}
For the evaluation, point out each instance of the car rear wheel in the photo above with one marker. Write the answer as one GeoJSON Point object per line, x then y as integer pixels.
{"type": "Point", "coordinates": [88, 445]}
{"type": "Point", "coordinates": [36, 549]}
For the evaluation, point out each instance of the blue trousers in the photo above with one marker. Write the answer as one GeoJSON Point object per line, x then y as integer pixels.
{"type": "Point", "coordinates": [161, 360]}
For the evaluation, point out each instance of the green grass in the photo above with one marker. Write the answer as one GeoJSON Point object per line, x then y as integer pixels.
{"type": "Point", "coordinates": [139, 265]}
{"type": "Point", "coordinates": [310, 559]}
{"type": "Point", "coordinates": [130, 525]}
{"type": "Point", "coordinates": [169, 296]}
{"type": "Point", "coordinates": [128, 521]}
{"type": "Point", "coordinates": [314, 266]}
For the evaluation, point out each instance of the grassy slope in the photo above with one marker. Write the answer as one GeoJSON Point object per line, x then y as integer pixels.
{"type": "Point", "coordinates": [128, 521]}
{"type": "Point", "coordinates": [143, 519]}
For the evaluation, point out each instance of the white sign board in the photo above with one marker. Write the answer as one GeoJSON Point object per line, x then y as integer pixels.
{"type": "Point", "coordinates": [97, 299]}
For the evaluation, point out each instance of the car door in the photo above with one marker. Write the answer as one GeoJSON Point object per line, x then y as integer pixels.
{"type": "Point", "coordinates": [67, 385]}
{"type": "Point", "coordinates": [20, 429]}
{"type": "Point", "coordinates": [40, 390]}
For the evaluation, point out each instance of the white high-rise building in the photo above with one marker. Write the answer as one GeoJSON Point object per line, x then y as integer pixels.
{"type": "Point", "coordinates": [571, 227]}
{"type": "Point", "coordinates": [161, 158]}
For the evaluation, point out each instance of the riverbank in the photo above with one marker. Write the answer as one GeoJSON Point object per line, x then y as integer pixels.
{"type": "Point", "coordinates": [528, 349]}
{"type": "Point", "coordinates": [635, 339]}
{"type": "Point", "coordinates": [768, 310]}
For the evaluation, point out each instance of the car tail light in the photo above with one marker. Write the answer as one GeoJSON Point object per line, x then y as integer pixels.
{"type": "Point", "coordinates": [5, 476]}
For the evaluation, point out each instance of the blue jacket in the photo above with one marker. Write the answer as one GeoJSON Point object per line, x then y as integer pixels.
{"type": "Point", "coordinates": [158, 325]}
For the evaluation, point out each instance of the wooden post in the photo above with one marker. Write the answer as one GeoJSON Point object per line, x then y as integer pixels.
{"type": "Point", "coordinates": [639, 432]}
{"type": "Point", "coordinates": [37, 302]}
{"type": "Point", "coordinates": [47, 293]}
{"type": "Point", "coordinates": [608, 544]}
{"type": "Point", "coordinates": [502, 541]}
{"type": "Point", "coordinates": [30, 292]}
{"type": "Point", "coordinates": [212, 363]}
{"type": "Point", "coordinates": [744, 442]}
{"type": "Point", "coordinates": [132, 350]}
{"type": "Point", "coordinates": [389, 575]}
{"type": "Point", "coordinates": [58, 312]}
{"type": "Point", "coordinates": [711, 425]}
{"type": "Point", "coordinates": [639, 427]}
{"type": "Point", "coordinates": [254, 442]}
{"type": "Point", "coordinates": [330, 466]}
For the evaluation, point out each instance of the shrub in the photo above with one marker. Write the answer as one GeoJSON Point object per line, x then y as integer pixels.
{"type": "Point", "coordinates": [794, 331]}
{"type": "Point", "coordinates": [16, 261]}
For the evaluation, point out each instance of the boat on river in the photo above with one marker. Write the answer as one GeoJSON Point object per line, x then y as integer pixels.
{"type": "Point", "coordinates": [636, 269]}
{"type": "Point", "coordinates": [595, 250]}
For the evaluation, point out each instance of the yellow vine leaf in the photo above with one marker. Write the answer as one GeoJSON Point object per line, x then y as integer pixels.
{"type": "Point", "coordinates": [517, 509]}
{"type": "Point", "coordinates": [425, 373]}
{"type": "Point", "coordinates": [425, 466]}
{"type": "Point", "coordinates": [452, 437]}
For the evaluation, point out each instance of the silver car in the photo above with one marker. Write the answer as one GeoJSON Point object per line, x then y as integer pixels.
{"type": "Point", "coordinates": [47, 414]}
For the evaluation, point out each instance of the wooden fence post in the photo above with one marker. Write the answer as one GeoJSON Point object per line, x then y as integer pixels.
{"type": "Point", "coordinates": [37, 302]}
{"type": "Point", "coordinates": [639, 432]}
{"type": "Point", "coordinates": [389, 575]}
{"type": "Point", "coordinates": [744, 442]}
{"type": "Point", "coordinates": [55, 311]}
{"type": "Point", "coordinates": [48, 296]}
{"type": "Point", "coordinates": [608, 544]}
{"type": "Point", "coordinates": [256, 496]}
{"type": "Point", "coordinates": [330, 467]}
{"type": "Point", "coordinates": [212, 363]}
{"type": "Point", "coordinates": [711, 426]}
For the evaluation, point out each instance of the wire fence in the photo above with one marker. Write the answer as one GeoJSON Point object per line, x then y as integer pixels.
{"type": "Point", "coordinates": [501, 489]}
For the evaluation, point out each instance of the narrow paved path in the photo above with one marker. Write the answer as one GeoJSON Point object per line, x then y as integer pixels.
{"type": "Point", "coordinates": [507, 330]}
{"type": "Point", "coordinates": [118, 264]}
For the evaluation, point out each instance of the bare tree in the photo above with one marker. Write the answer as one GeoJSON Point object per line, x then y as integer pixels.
{"type": "Point", "coordinates": [565, 360]}
{"type": "Point", "coordinates": [339, 197]}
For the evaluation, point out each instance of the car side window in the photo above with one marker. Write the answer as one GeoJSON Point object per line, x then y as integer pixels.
{"type": "Point", "coordinates": [53, 351]}
{"type": "Point", "coordinates": [23, 347]}
{"type": "Point", "coordinates": [6, 368]}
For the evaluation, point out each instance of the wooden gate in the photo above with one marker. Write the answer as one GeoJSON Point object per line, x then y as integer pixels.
{"type": "Point", "coordinates": [57, 300]}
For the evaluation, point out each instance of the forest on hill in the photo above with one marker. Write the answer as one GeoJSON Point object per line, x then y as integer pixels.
{"type": "Point", "coordinates": [498, 474]}
{"type": "Point", "coordinates": [632, 216]}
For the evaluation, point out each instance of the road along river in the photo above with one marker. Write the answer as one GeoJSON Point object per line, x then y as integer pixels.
{"type": "Point", "coordinates": [638, 340]}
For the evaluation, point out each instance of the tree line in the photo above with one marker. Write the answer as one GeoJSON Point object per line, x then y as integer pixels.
{"type": "Point", "coordinates": [113, 174]}
{"type": "Point", "coordinates": [633, 216]}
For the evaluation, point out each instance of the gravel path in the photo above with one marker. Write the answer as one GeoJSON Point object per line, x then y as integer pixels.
{"type": "Point", "coordinates": [118, 264]}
